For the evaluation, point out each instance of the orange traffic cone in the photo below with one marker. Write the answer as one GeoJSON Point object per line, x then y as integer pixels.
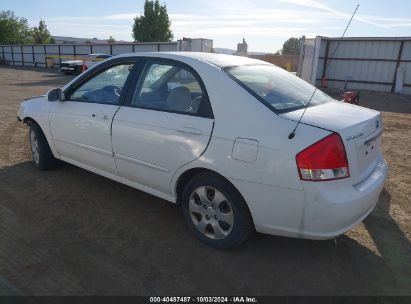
{"type": "Point", "coordinates": [84, 66]}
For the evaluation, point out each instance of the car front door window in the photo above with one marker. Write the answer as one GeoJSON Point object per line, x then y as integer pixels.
{"type": "Point", "coordinates": [105, 87]}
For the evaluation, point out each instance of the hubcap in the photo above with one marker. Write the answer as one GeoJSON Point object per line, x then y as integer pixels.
{"type": "Point", "coordinates": [211, 212]}
{"type": "Point", "coordinates": [34, 147]}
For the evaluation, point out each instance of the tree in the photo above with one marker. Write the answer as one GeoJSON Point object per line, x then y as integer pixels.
{"type": "Point", "coordinates": [41, 34]}
{"type": "Point", "coordinates": [111, 40]}
{"type": "Point", "coordinates": [13, 29]}
{"type": "Point", "coordinates": [154, 24]}
{"type": "Point", "coordinates": [291, 47]}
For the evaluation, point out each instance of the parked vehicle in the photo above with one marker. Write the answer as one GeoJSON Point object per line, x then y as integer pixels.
{"type": "Point", "coordinates": [351, 97]}
{"type": "Point", "coordinates": [210, 132]}
{"type": "Point", "coordinates": [76, 66]}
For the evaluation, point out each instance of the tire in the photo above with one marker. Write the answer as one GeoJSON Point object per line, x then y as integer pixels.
{"type": "Point", "coordinates": [215, 212]}
{"type": "Point", "coordinates": [41, 153]}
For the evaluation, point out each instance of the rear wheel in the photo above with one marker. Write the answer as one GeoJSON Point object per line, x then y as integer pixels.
{"type": "Point", "coordinates": [41, 153]}
{"type": "Point", "coordinates": [215, 212]}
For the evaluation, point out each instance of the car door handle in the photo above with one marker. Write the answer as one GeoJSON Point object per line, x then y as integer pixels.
{"type": "Point", "coordinates": [190, 130]}
{"type": "Point", "coordinates": [105, 117]}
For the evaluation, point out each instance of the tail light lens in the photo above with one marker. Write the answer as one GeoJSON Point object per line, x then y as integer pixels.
{"type": "Point", "coordinates": [324, 160]}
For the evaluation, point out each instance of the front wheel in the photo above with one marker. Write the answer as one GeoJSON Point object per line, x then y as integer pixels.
{"type": "Point", "coordinates": [216, 212]}
{"type": "Point", "coordinates": [41, 153]}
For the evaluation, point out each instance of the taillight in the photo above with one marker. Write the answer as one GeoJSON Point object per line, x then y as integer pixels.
{"type": "Point", "coordinates": [324, 160]}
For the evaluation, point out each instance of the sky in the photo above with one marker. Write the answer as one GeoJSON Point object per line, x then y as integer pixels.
{"type": "Point", "coordinates": [265, 24]}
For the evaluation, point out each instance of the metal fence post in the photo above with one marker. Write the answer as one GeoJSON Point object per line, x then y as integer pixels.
{"type": "Point", "coordinates": [59, 55]}
{"type": "Point", "coordinates": [32, 55]}
{"type": "Point", "coordinates": [327, 49]}
{"type": "Point", "coordinates": [397, 66]}
{"type": "Point", "coordinates": [45, 55]}
{"type": "Point", "coordinates": [12, 54]}
{"type": "Point", "coordinates": [301, 56]}
{"type": "Point", "coordinates": [22, 55]}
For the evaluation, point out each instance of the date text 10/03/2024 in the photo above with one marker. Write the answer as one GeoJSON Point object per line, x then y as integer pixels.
{"type": "Point", "coordinates": [239, 299]}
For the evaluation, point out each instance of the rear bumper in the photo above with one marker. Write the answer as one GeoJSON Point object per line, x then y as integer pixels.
{"type": "Point", "coordinates": [321, 210]}
{"type": "Point", "coordinates": [332, 209]}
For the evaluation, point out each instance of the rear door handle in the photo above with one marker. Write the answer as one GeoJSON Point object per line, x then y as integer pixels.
{"type": "Point", "coordinates": [103, 116]}
{"type": "Point", "coordinates": [190, 130]}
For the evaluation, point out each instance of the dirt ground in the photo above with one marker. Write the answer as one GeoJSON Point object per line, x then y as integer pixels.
{"type": "Point", "coordinates": [71, 232]}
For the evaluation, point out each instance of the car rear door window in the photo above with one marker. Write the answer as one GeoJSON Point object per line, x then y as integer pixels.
{"type": "Point", "coordinates": [171, 88]}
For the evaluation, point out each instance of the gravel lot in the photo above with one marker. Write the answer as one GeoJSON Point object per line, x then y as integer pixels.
{"type": "Point", "coordinates": [69, 231]}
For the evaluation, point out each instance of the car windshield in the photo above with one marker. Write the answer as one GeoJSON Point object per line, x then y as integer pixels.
{"type": "Point", "coordinates": [276, 88]}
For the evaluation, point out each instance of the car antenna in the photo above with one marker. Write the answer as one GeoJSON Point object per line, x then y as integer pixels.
{"type": "Point", "coordinates": [292, 134]}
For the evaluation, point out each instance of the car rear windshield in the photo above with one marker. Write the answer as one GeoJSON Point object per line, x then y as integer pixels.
{"type": "Point", "coordinates": [278, 89]}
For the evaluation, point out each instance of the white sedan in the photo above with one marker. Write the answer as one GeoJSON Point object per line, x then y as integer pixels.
{"type": "Point", "coordinates": [211, 133]}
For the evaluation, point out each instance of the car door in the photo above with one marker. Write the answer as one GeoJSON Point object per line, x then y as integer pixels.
{"type": "Point", "coordinates": [81, 124]}
{"type": "Point", "coordinates": [166, 123]}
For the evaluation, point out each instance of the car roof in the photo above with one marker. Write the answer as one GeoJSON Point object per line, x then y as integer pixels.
{"type": "Point", "coordinates": [219, 60]}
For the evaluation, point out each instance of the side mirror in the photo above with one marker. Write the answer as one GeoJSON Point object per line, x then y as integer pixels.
{"type": "Point", "coordinates": [55, 95]}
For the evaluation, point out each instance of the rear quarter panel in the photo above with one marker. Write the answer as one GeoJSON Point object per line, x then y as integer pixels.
{"type": "Point", "coordinates": [270, 185]}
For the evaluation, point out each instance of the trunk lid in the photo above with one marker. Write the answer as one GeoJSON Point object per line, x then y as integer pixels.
{"type": "Point", "coordinates": [360, 130]}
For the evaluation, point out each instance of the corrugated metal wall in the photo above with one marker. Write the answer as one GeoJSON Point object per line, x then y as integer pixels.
{"type": "Point", "coordinates": [365, 63]}
{"type": "Point", "coordinates": [35, 55]}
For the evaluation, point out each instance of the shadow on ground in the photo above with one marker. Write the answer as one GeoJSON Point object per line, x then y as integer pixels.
{"type": "Point", "coordinates": [69, 231]}
{"type": "Point", "coordinates": [391, 242]}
